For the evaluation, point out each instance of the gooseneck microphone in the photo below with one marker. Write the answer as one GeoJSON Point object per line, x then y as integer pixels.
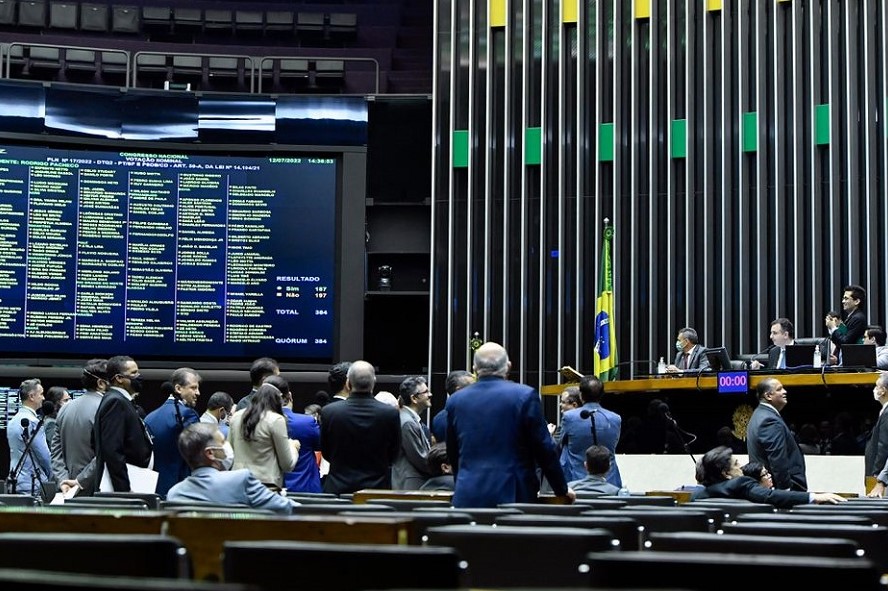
{"type": "Point", "coordinates": [585, 414]}
{"type": "Point", "coordinates": [26, 434]}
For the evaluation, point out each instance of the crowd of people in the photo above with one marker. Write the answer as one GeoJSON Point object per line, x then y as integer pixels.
{"type": "Point", "coordinates": [490, 444]}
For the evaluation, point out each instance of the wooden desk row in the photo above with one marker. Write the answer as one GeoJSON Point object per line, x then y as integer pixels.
{"type": "Point", "coordinates": [708, 382]}
{"type": "Point", "coordinates": [204, 535]}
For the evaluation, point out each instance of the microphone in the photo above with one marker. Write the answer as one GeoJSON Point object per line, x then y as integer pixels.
{"type": "Point", "coordinates": [663, 408]}
{"type": "Point", "coordinates": [26, 434]}
{"type": "Point", "coordinates": [585, 414]}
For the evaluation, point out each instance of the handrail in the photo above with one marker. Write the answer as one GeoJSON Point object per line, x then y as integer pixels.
{"type": "Point", "coordinates": [7, 70]}
{"type": "Point", "coordinates": [249, 61]}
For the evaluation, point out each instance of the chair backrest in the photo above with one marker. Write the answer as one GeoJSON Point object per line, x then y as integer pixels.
{"type": "Point", "coordinates": [481, 515]}
{"type": "Point", "coordinates": [151, 499]}
{"type": "Point", "coordinates": [562, 550]}
{"type": "Point", "coordinates": [421, 521]}
{"type": "Point", "coordinates": [342, 567]}
{"type": "Point", "coordinates": [752, 545]}
{"type": "Point", "coordinates": [145, 555]}
{"type": "Point", "coordinates": [658, 500]}
{"type": "Point", "coordinates": [624, 529]}
{"type": "Point", "coordinates": [733, 507]}
{"type": "Point", "coordinates": [12, 500]}
{"type": "Point", "coordinates": [705, 571]}
{"type": "Point", "coordinates": [540, 509]}
{"type": "Point", "coordinates": [108, 503]}
{"type": "Point", "coordinates": [334, 508]}
{"type": "Point", "coordinates": [835, 518]}
{"type": "Point", "coordinates": [876, 515]}
{"type": "Point", "coordinates": [410, 504]}
{"type": "Point", "coordinates": [870, 538]}
{"type": "Point", "coordinates": [42, 580]}
{"type": "Point", "coordinates": [664, 520]}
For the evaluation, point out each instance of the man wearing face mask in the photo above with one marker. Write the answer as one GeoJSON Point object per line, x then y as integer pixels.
{"type": "Point", "coordinates": [167, 422]}
{"type": "Point", "coordinates": [218, 411]}
{"type": "Point", "coordinates": [120, 436]}
{"type": "Point", "coordinates": [203, 448]}
{"type": "Point", "coordinates": [690, 355]}
{"type": "Point", "coordinates": [73, 457]}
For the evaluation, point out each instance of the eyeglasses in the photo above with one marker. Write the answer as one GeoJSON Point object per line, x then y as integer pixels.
{"type": "Point", "coordinates": [427, 391]}
{"type": "Point", "coordinates": [215, 447]}
{"type": "Point", "coordinates": [765, 474]}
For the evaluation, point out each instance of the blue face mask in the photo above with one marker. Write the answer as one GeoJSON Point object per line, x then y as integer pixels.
{"type": "Point", "coordinates": [678, 346]}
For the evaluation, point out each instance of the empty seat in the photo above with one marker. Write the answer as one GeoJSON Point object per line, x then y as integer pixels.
{"type": "Point", "coordinates": [330, 74]}
{"type": "Point", "coordinates": [157, 19]}
{"type": "Point", "coordinates": [742, 544]}
{"type": "Point", "coordinates": [420, 521]}
{"type": "Point", "coordinates": [145, 555]}
{"type": "Point", "coordinates": [43, 63]}
{"type": "Point", "coordinates": [225, 73]}
{"type": "Point", "coordinates": [309, 27]}
{"type": "Point", "coordinates": [80, 64]}
{"type": "Point", "coordinates": [624, 529]}
{"type": "Point", "coordinates": [248, 22]}
{"type": "Point", "coordinates": [291, 74]}
{"type": "Point", "coordinates": [150, 67]}
{"type": "Point", "coordinates": [663, 520]}
{"type": "Point", "coordinates": [279, 24]}
{"type": "Point", "coordinates": [342, 567]}
{"type": "Point", "coordinates": [836, 518]}
{"type": "Point", "coordinates": [11, 500]}
{"type": "Point", "coordinates": [343, 26]}
{"type": "Point", "coordinates": [150, 499]}
{"type": "Point", "coordinates": [562, 550]}
{"type": "Point", "coordinates": [34, 580]}
{"type": "Point", "coordinates": [705, 571]}
{"type": "Point", "coordinates": [114, 68]}
{"type": "Point", "coordinates": [481, 515]}
{"type": "Point", "coordinates": [411, 504]}
{"type": "Point", "coordinates": [733, 507]}
{"type": "Point", "coordinates": [94, 17]}
{"type": "Point", "coordinates": [188, 67]}
{"type": "Point", "coordinates": [7, 12]}
{"type": "Point", "coordinates": [32, 13]}
{"type": "Point", "coordinates": [63, 15]}
{"type": "Point", "coordinates": [335, 508]}
{"type": "Point", "coordinates": [125, 19]}
{"type": "Point", "coordinates": [108, 503]}
{"type": "Point", "coordinates": [541, 509]}
{"type": "Point", "coordinates": [218, 21]}
{"type": "Point", "coordinates": [187, 22]}
{"type": "Point", "coordinates": [658, 500]}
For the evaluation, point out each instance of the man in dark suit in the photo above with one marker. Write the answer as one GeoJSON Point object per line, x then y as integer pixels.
{"type": "Point", "coordinates": [497, 436]}
{"type": "Point", "coordinates": [770, 441]}
{"type": "Point", "coordinates": [722, 476]}
{"type": "Point", "coordinates": [456, 380]}
{"type": "Point", "coordinates": [782, 334]}
{"type": "Point", "coordinates": [166, 423]}
{"type": "Point", "coordinates": [119, 433]}
{"type": "Point", "coordinates": [852, 328]}
{"type": "Point", "coordinates": [360, 436]}
{"type": "Point", "coordinates": [259, 370]}
{"type": "Point", "coordinates": [876, 455]}
{"type": "Point", "coordinates": [691, 355]}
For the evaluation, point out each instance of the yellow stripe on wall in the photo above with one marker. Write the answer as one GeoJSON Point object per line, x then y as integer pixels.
{"type": "Point", "coordinates": [569, 11]}
{"type": "Point", "coordinates": [713, 5]}
{"type": "Point", "coordinates": [497, 13]}
{"type": "Point", "coordinates": [642, 8]}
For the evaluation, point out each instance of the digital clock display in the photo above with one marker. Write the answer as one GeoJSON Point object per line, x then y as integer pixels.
{"type": "Point", "coordinates": [733, 382]}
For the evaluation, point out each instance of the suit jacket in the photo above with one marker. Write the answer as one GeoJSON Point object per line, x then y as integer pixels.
{"type": "Point", "coordinates": [360, 437]}
{"type": "Point", "coordinates": [439, 426]}
{"type": "Point", "coordinates": [120, 437]}
{"type": "Point", "coordinates": [209, 485]}
{"type": "Point", "coordinates": [576, 437]}
{"type": "Point", "coordinates": [744, 487]}
{"type": "Point", "coordinates": [697, 360]}
{"type": "Point", "coordinates": [163, 424]}
{"type": "Point", "coordinates": [269, 453]}
{"type": "Point", "coordinates": [594, 484]}
{"type": "Point", "coordinates": [772, 444]}
{"type": "Point", "coordinates": [877, 446]}
{"type": "Point", "coordinates": [305, 476]}
{"type": "Point", "coordinates": [411, 468]}
{"type": "Point", "coordinates": [774, 357]}
{"type": "Point", "coordinates": [36, 462]}
{"type": "Point", "coordinates": [855, 324]}
{"type": "Point", "coordinates": [497, 437]}
{"type": "Point", "coordinates": [73, 454]}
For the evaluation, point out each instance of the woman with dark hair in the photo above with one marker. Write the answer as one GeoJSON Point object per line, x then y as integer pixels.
{"type": "Point", "coordinates": [720, 474]}
{"type": "Point", "coordinates": [59, 397]}
{"type": "Point", "coordinates": [259, 438]}
{"type": "Point", "coordinates": [758, 473]}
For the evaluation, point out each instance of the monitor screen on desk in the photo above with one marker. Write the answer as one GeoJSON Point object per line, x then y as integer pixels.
{"type": "Point", "coordinates": [718, 359]}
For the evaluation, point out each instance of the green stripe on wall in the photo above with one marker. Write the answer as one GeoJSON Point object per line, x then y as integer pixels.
{"type": "Point", "coordinates": [821, 124]}
{"type": "Point", "coordinates": [606, 142]}
{"type": "Point", "coordinates": [460, 148]}
{"type": "Point", "coordinates": [680, 138]}
{"type": "Point", "coordinates": [749, 132]}
{"type": "Point", "coordinates": [533, 145]}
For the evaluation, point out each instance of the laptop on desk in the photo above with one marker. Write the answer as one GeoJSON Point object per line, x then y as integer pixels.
{"type": "Point", "coordinates": [858, 356]}
{"type": "Point", "coordinates": [799, 356]}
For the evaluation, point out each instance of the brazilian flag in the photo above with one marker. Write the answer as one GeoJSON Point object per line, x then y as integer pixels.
{"type": "Point", "coordinates": [605, 329]}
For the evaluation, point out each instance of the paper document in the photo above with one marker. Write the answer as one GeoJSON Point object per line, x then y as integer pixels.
{"type": "Point", "coordinates": [142, 480]}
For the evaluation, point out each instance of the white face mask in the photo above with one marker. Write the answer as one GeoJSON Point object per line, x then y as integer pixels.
{"type": "Point", "coordinates": [228, 460]}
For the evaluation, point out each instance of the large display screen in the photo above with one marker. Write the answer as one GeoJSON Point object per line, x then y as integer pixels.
{"type": "Point", "coordinates": [167, 255]}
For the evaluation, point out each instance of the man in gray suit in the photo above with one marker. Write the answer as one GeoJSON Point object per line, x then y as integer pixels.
{"type": "Point", "coordinates": [411, 467]}
{"type": "Point", "coordinates": [770, 441]}
{"type": "Point", "coordinates": [73, 455]}
{"type": "Point", "coordinates": [202, 446]}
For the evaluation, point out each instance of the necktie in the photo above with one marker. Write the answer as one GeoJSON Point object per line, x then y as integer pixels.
{"type": "Point", "coordinates": [781, 361]}
{"type": "Point", "coordinates": [685, 360]}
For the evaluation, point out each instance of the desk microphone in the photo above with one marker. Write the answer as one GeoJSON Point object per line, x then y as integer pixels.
{"type": "Point", "coordinates": [585, 414]}
{"type": "Point", "coordinates": [663, 408]}
{"type": "Point", "coordinates": [25, 432]}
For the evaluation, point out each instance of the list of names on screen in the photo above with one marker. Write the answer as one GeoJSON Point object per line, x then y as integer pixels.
{"type": "Point", "coordinates": [186, 255]}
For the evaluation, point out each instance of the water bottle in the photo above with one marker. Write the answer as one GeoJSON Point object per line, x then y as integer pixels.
{"type": "Point", "coordinates": [661, 366]}
{"type": "Point", "coordinates": [623, 492]}
{"type": "Point", "coordinates": [816, 362]}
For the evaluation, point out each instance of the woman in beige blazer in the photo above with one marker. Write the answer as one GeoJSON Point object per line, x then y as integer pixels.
{"type": "Point", "coordinates": [259, 438]}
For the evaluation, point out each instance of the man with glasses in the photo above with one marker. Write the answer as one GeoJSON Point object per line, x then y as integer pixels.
{"type": "Point", "coordinates": [203, 448]}
{"type": "Point", "coordinates": [851, 329]}
{"type": "Point", "coordinates": [120, 436]}
{"type": "Point", "coordinates": [411, 467]}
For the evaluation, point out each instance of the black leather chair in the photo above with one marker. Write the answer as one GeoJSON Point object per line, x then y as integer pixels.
{"type": "Point", "coordinates": [834, 518]}
{"type": "Point", "coordinates": [544, 509]}
{"type": "Point", "coordinates": [335, 508]}
{"type": "Point", "coordinates": [663, 520]}
{"type": "Point", "coordinates": [733, 507]}
{"type": "Point", "coordinates": [752, 545]}
{"type": "Point", "coordinates": [523, 556]}
{"type": "Point", "coordinates": [870, 538]}
{"type": "Point", "coordinates": [107, 503]}
{"type": "Point", "coordinates": [712, 571]}
{"type": "Point", "coordinates": [342, 567]}
{"type": "Point", "coordinates": [151, 499]}
{"type": "Point", "coordinates": [481, 515]}
{"type": "Point", "coordinates": [134, 555]}
{"type": "Point", "coordinates": [421, 520]}
{"type": "Point", "coordinates": [657, 500]}
{"type": "Point", "coordinates": [411, 504]}
{"type": "Point", "coordinates": [876, 515]}
{"type": "Point", "coordinates": [624, 529]}
{"type": "Point", "coordinates": [42, 580]}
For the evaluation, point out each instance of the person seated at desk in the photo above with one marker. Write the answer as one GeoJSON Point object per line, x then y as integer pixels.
{"type": "Point", "coordinates": [691, 355]}
{"type": "Point", "coordinates": [874, 335]}
{"type": "Point", "coordinates": [722, 478]}
{"type": "Point", "coordinates": [597, 463]}
{"type": "Point", "coordinates": [782, 334]}
{"type": "Point", "coordinates": [202, 446]}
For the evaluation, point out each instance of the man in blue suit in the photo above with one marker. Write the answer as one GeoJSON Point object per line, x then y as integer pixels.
{"type": "Point", "coordinates": [202, 446]}
{"type": "Point", "coordinates": [167, 422]}
{"type": "Point", "coordinates": [497, 436]}
{"type": "Point", "coordinates": [591, 424]}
